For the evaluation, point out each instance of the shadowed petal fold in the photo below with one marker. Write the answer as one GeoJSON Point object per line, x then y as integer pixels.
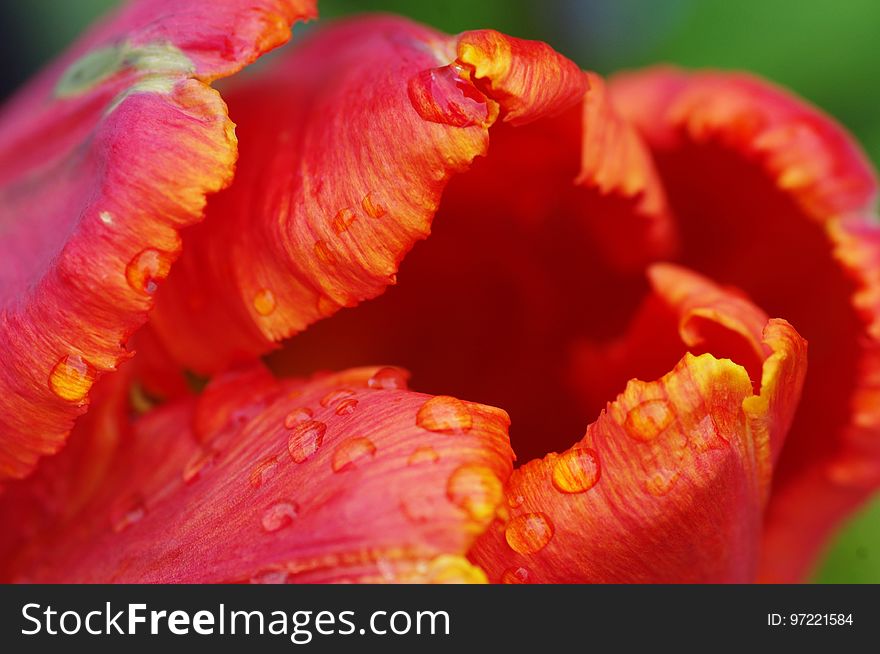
{"type": "Point", "coordinates": [344, 477]}
{"type": "Point", "coordinates": [105, 156]}
{"type": "Point", "coordinates": [347, 144]}
{"type": "Point", "coordinates": [669, 484]}
{"type": "Point", "coordinates": [773, 196]}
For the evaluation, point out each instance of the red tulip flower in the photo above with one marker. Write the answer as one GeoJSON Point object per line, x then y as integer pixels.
{"type": "Point", "coordinates": [629, 271]}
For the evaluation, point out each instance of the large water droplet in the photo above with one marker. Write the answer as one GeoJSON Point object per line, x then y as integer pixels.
{"type": "Point", "coordinates": [279, 515]}
{"type": "Point", "coordinates": [388, 379]}
{"type": "Point", "coordinates": [264, 302]}
{"type": "Point", "coordinates": [446, 415]}
{"type": "Point", "coordinates": [343, 220]}
{"type": "Point", "coordinates": [476, 489]}
{"type": "Point", "coordinates": [576, 470]}
{"type": "Point", "coordinates": [423, 454]}
{"type": "Point", "coordinates": [528, 533]}
{"type": "Point", "coordinates": [270, 577]}
{"type": "Point", "coordinates": [324, 253]}
{"type": "Point", "coordinates": [305, 440]}
{"type": "Point", "coordinates": [199, 463]}
{"type": "Point", "coordinates": [372, 207]}
{"type": "Point", "coordinates": [647, 419]}
{"type": "Point", "coordinates": [441, 95]}
{"type": "Point", "coordinates": [517, 575]}
{"type": "Point", "coordinates": [704, 436]}
{"type": "Point", "coordinates": [263, 471]}
{"type": "Point", "coordinates": [346, 407]}
{"type": "Point", "coordinates": [71, 378]}
{"type": "Point", "coordinates": [419, 507]}
{"type": "Point", "coordinates": [660, 482]}
{"type": "Point", "coordinates": [353, 452]}
{"type": "Point", "coordinates": [146, 269]}
{"type": "Point", "coordinates": [335, 395]}
{"type": "Point", "coordinates": [298, 416]}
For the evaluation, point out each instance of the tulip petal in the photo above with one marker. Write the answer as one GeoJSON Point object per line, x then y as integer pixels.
{"type": "Point", "coordinates": [104, 158]}
{"type": "Point", "coordinates": [631, 214]}
{"type": "Point", "coordinates": [344, 477]}
{"type": "Point", "coordinates": [774, 197]}
{"type": "Point", "coordinates": [348, 144]}
{"type": "Point", "coordinates": [668, 485]}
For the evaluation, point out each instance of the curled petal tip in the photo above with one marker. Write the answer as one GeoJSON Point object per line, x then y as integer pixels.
{"type": "Point", "coordinates": [669, 483]}
{"type": "Point", "coordinates": [131, 140]}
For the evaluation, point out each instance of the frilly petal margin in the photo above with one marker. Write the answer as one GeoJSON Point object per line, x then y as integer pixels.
{"type": "Point", "coordinates": [347, 145]}
{"type": "Point", "coordinates": [616, 162]}
{"type": "Point", "coordinates": [669, 484]}
{"type": "Point", "coordinates": [104, 158]}
{"type": "Point", "coordinates": [793, 198]}
{"type": "Point", "coordinates": [343, 477]}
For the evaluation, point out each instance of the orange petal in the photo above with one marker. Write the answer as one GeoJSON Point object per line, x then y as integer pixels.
{"type": "Point", "coordinates": [105, 156]}
{"type": "Point", "coordinates": [631, 217]}
{"type": "Point", "coordinates": [344, 477]}
{"type": "Point", "coordinates": [668, 485]}
{"type": "Point", "coordinates": [774, 197]}
{"type": "Point", "coordinates": [342, 171]}
{"type": "Point", "coordinates": [331, 192]}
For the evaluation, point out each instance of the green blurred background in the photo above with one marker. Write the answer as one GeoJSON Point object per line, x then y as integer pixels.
{"type": "Point", "coordinates": [827, 51]}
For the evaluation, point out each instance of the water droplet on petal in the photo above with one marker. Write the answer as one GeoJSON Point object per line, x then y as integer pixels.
{"type": "Point", "coordinates": [576, 470]}
{"type": "Point", "coordinates": [335, 395]}
{"type": "Point", "coordinates": [353, 452]}
{"type": "Point", "coordinates": [106, 217]}
{"type": "Point", "coordinates": [198, 464]}
{"type": "Point", "coordinates": [441, 95]}
{"type": "Point", "coordinates": [660, 482]}
{"type": "Point", "coordinates": [279, 515]}
{"type": "Point", "coordinates": [515, 501]}
{"type": "Point", "coordinates": [372, 208]}
{"type": "Point", "coordinates": [423, 454]}
{"type": "Point", "coordinates": [305, 440]}
{"type": "Point", "coordinates": [264, 302]}
{"type": "Point", "coordinates": [518, 575]}
{"type": "Point", "coordinates": [388, 379]}
{"type": "Point", "coordinates": [343, 220]}
{"type": "Point", "coordinates": [446, 415]}
{"type": "Point", "coordinates": [323, 252]}
{"type": "Point", "coordinates": [418, 507]}
{"type": "Point", "coordinates": [528, 533]}
{"type": "Point", "coordinates": [346, 407]}
{"type": "Point", "coordinates": [270, 577]}
{"type": "Point", "coordinates": [71, 378]}
{"type": "Point", "coordinates": [146, 269]}
{"type": "Point", "coordinates": [703, 437]}
{"type": "Point", "coordinates": [263, 471]}
{"type": "Point", "coordinates": [647, 419]}
{"type": "Point", "coordinates": [298, 416]}
{"type": "Point", "coordinates": [127, 513]}
{"type": "Point", "coordinates": [476, 489]}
